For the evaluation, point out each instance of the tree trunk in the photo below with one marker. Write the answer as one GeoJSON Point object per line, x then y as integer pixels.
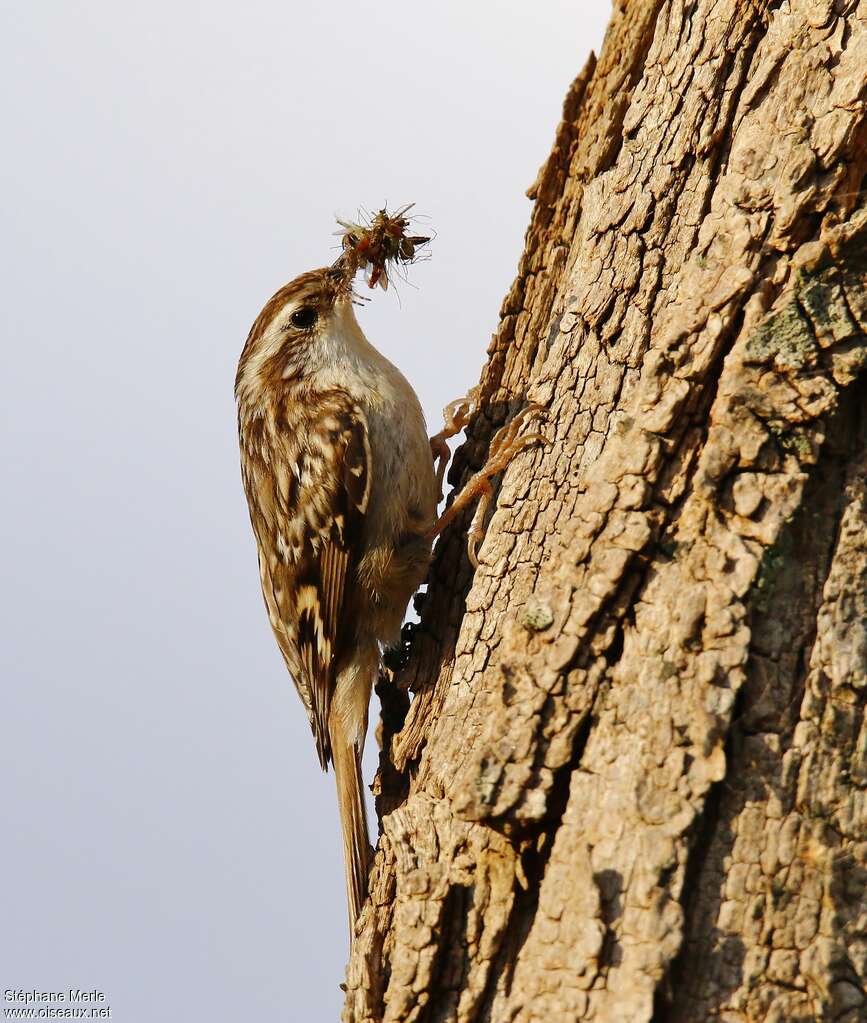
{"type": "Point", "coordinates": [631, 783]}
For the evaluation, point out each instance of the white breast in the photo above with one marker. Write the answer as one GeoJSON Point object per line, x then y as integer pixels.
{"type": "Point", "coordinates": [403, 493]}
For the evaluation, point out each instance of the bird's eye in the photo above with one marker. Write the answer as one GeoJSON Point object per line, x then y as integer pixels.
{"type": "Point", "coordinates": [304, 318]}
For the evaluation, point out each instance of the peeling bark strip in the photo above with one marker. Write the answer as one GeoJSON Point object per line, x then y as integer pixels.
{"type": "Point", "coordinates": [631, 783]}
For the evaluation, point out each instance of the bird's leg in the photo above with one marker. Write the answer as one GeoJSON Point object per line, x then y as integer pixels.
{"type": "Point", "coordinates": [505, 444]}
{"type": "Point", "coordinates": [456, 415]}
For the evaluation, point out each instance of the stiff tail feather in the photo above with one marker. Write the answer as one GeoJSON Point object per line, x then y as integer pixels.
{"type": "Point", "coordinates": [353, 821]}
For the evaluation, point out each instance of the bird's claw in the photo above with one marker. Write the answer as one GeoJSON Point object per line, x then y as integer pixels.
{"type": "Point", "coordinates": [456, 415]}
{"type": "Point", "coordinates": [505, 444]}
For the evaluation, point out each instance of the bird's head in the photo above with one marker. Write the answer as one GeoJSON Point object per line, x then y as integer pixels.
{"type": "Point", "coordinates": [300, 329]}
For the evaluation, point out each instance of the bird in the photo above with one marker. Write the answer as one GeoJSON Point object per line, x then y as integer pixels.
{"type": "Point", "coordinates": [339, 477]}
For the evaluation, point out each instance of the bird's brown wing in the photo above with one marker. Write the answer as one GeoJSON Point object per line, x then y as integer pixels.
{"type": "Point", "coordinates": [309, 529]}
{"type": "Point", "coordinates": [340, 459]}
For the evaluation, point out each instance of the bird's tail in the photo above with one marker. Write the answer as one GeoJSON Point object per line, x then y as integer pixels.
{"type": "Point", "coordinates": [353, 821]}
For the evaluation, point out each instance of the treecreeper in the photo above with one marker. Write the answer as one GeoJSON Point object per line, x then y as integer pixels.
{"type": "Point", "coordinates": [342, 488]}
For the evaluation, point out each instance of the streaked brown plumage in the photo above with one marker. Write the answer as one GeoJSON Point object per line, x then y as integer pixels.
{"type": "Point", "coordinates": [342, 493]}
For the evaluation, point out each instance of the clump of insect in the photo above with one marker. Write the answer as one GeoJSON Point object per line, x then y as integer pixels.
{"type": "Point", "coordinates": [377, 241]}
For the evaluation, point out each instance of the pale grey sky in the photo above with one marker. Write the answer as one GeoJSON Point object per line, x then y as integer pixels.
{"type": "Point", "coordinates": [168, 836]}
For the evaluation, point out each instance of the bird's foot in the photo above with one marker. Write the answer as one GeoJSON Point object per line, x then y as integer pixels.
{"type": "Point", "coordinates": [456, 415]}
{"type": "Point", "coordinates": [505, 444]}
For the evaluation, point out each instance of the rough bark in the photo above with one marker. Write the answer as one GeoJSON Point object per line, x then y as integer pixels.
{"type": "Point", "coordinates": [630, 784]}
